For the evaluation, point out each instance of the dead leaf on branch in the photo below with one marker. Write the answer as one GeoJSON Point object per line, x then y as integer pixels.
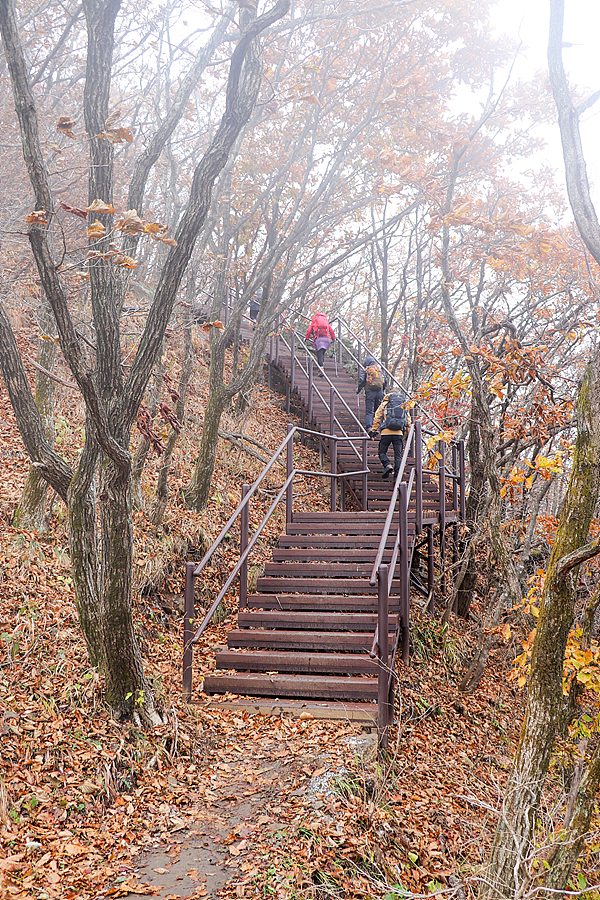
{"type": "Point", "coordinates": [117, 135]}
{"type": "Point", "coordinates": [37, 218]}
{"type": "Point", "coordinates": [131, 223]}
{"type": "Point", "coordinates": [66, 125]}
{"type": "Point", "coordinates": [310, 98]}
{"type": "Point", "coordinates": [100, 206]}
{"type": "Point", "coordinates": [74, 210]}
{"type": "Point", "coordinates": [125, 262]}
{"type": "Point", "coordinates": [97, 230]}
{"type": "Point", "coordinates": [216, 324]}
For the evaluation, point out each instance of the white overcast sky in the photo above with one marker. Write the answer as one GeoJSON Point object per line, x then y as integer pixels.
{"type": "Point", "coordinates": [527, 20]}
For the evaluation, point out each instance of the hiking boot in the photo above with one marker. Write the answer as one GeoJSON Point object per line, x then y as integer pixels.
{"type": "Point", "coordinates": [387, 471]}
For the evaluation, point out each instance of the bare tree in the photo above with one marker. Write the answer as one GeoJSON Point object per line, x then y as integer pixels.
{"type": "Point", "coordinates": [101, 553]}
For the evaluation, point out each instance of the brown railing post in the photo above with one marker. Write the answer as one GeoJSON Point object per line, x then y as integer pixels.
{"type": "Point", "coordinates": [383, 709]}
{"type": "Point", "coordinates": [339, 339]}
{"type": "Point", "coordinates": [404, 572]}
{"type": "Point", "coordinates": [244, 520]}
{"type": "Point", "coordinates": [277, 341]}
{"type": "Point", "coordinates": [442, 471]}
{"type": "Point", "coordinates": [454, 479]}
{"type": "Point", "coordinates": [311, 383]}
{"type": "Point", "coordinates": [289, 492]}
{"type": "Point", "coordinates": [188, 630]}
{"type": "Point", "coordinates": [293, 362]}
{"type": "Point", "coordinates": [365, 486]}
{"type": "Point", "coordinates": [461, 470]}
{"type": "Point", "coordinates": [418, 478]}
{"type": "Point", "coordinates": [333, 455]}
{"type": "Point", "coordinates": [332, 449]}
{"type": "Point", "coordinates": [430, 571]}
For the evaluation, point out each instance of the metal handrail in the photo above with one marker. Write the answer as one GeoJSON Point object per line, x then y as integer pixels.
{"type": "Point", "coordinates": [357, 421]}
{"type": "Point", "coordinates": [242, 559]}
{"type": "Point", "coordinates": [390, 512]}
{"type": "Point", "coordinates": [242, 511]}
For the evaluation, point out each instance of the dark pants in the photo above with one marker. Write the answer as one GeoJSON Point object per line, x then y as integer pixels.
{"type": "Point", "coordinates": [384, 442]}
{"type": "Point", "coordinates": [373, 399]}
{"type": "Point", "coordinates": [321, 356]}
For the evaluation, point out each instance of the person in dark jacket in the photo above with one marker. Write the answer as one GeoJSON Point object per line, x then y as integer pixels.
{"type": "Point", "coordinates": [390, 435]}
{"type": "Point", "coordinates": [371, 378]}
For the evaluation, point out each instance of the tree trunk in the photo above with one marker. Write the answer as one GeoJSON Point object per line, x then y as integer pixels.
{"type": "Point", "coordinates": [187, 368]}
{"type": "Point", "coordinates": [465, 586]}
{"type": "Point", "coordinates": [511, 847]}
{"type": "Point", "coordinates": [197, 492]}
{"type": "Point", "coordinates": [31, 512]}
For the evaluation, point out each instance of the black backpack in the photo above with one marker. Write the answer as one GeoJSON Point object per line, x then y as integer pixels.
{"type": "Point", "coordinates": [395, 416]}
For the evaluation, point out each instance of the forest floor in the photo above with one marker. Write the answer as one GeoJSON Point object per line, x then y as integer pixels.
{"type": "Point", "coordinates": [218, 801]}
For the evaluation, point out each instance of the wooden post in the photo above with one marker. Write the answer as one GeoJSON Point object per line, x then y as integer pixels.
{"type": "Point", "coordinates": [188, 630]}
{"type": "Point", "coordinates": [332, 449]}
{"type": "Point", "coordinates": [383, 710]}
{"type": "Point", "coordinates": [289, 493]}
{"type": "Point", "coordinates": [333, 455]}
{"type": "Point", "coordinates": [311, 382]}
{"type": "Point", "coordinates": [454, 480]}
{"type": "Point", "coordinates": [277, 341]}
{"type": "Point", "coordinates": [339, 340]}
{"type": "Point", "coordinates": [365, 484]}
{"type": "Point", "coordinates": [430, 571]}
{"type": "Point", "coordinates": [419, 478]}
{"type": "Point", "coordinates": [244, 520]}
{"type": "Point", "coordinates": [461, 470]}
{"type": "Point", "coordinates": [293, 361]}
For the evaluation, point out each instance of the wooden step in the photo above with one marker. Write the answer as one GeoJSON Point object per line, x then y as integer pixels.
{"type": "Point", "coordinates": [315, 585]}
{"type": "Point", "coordinates": [364, 714]}
{"type": "Point", "coordinates": [301, 663]}
{"type": "Point", "coordinates": [310, 620]}
{"type": "Point", "coordinates": [343, 542]}
{"type": "Point", "coordinates": [331, 554]}
{"type": "Point", "coordinates": [314, 686]}
{"type": "Point", "coordinates": [334, 641]}
{"type": "Point", "coordinates": [324, 570]}
{"type": "Point", "coordinates": [318, 602]}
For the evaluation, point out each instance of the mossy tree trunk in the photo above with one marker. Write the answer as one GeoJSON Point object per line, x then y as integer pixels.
{"type": "Point", "coordinates": [511, 848]}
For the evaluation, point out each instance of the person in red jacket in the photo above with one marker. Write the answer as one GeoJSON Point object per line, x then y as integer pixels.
{"type": "Point", "coordinates": [322, 334]}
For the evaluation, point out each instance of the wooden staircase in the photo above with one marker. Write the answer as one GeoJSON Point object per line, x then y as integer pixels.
{"type": "Point", "coordinates": [308, 630]}
{"type": "Point", "coordinates": [308, 637]}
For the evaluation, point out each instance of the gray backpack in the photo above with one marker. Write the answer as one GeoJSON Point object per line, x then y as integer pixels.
{"type": "Point", "coordinates": [395, 416]}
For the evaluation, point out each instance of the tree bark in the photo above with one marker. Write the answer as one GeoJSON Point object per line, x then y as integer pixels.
{"type": "Point", "coordinates": [100, 526]}
{"type": "Point", "coordinates": [31, 512]}
{"type": "Point", "coordinates": [511, 847]}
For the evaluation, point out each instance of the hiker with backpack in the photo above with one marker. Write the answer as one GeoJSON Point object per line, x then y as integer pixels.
{"type": "Point", "coordinates": [322, 334]}
{"type": "Point", "coordinates": [394, 419]}
{"type": "Point", "coordinates": [372, 379]}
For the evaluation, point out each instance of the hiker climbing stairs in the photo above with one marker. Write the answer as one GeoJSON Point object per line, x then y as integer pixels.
{"type": "Point", "coordinates": [322, 627]}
